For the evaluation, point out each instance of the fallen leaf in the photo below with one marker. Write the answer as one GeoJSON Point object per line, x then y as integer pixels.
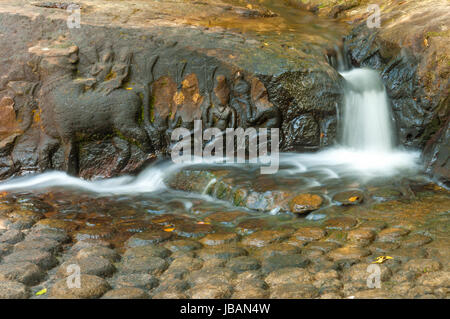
{"type": "Point", "coordinates": [353, 199]}
{"type": "Point", "coordinates": [381, 259]}
{"type": "Point", "coordinates": [41, 292]}
{"type": "Point", "coordinates": [203, 223]}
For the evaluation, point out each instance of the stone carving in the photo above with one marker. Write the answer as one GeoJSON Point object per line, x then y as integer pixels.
{"type": "Point", "coordinates": [265, 114]}
{"type": "Point", "coordinates": [71, 110]}
{"type": "Point", "coordinates": [219, 113]}
{"type": "Point", "coordinates": [9, 128]}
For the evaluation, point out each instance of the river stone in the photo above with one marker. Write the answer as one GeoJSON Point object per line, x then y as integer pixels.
{"type": "Point", "coordinates": [12, 236]}
{"type": "Point", "coordinates": [309, 233]}
{"type": "Point", "coordinates": [373, 225]}
{"type": "Point", "coordinates": [219, 239]}
{"type": "Point", "coordinates": [5, 223]}
{"type": "Point", "coordinates": [89, 243]}
{"type": "Point", "coordinates": [48, 223]}
{"type": "Point", "coordinates": [405, 254]}
{"type": "Point", "coordinates": [148, 238]}
{"type": "Point", "coordinates": [24, 272]}
{"type": "Point", "coordinates": [290, 275]}
{"type": "Point", "coordinates": [294, 291]}
{"type": "Point", "coordinates": [283, 261]}
{"type": "Point", "coordinates": [359, 272]}
{"type": "Point", "coordinates": [143, 281]}
{"type": "Point", "coordinates": [18, 214]}
{"type": "Point", "coordinates": [323, 246]}
{"type": "Point", "coordinates": [383, 247]}
{"type": "Point", "coordinates": [146, 251]}
{"type": "Point", "coordinates": [93, 265]}
{"type": "Point", "coordinates": [362, 237]}
{"type": "Point", "coordinates": [264, 237]}
{"type": "Point", "coordinates": [5, 249]}
{"type": "Point", "coordinates": [23, 223]}
{"type": "Point", "coordinates": [95, 232]}
{"type": "Point", "coordinates": [353, 197]}
{"type": "Point", "coordinates": [13, 290]}
{"type": "Point", "coordinates": [98, 251]}
{"type": "Point", "coordinates": [90, 287]}
{"type": "Point", "coordinates": [435, 279]}
{"type": "Point", "coordinates": [348, 253]}
{"type": "Point", "coordinates": [305, 203]}
{"type": "Point", "coordinates": [277, 249]}
{"type": "Point", "coordinates": [372, 294]}
{"type": "Point", "coordinates": [249, 226]}
{"type": "Point", "coordinates": [250, 292]}
{"type": "Point", "coordinates": [392, 234]}
{"type": "Point", "coordinates": [182, 245]}
{"type": "Point", "coordinates": [243, 263]}
{"type": "Point", "coordinates": [55, 234]}
{"type": "Point", "coordinates": [416, 240]}
{"type": "Point", "coordinates": [225, 218]}
{"type": "Point", "coordinates": [385, 194]}
{"type": "Point", "coordinates": [214, 263]}
{"type": "Point", "coordinates": [126, 293]}
{"type": "Point", "coordinates": [43, 259]}
{"type": "Point", "coordinates": [221, 252]}
{"type": "Point", "coordinates": [341, 223]}
{"type": "Point", "coordinates": [205, 275]}
{"type": "Point", "coordinates": [46, 244]}
{"type": "Point", "coordinates": [148, 265]}
{"type": "Point", "coordinates": [191, 230]}
{"type": "Point", "coordinates": [188, 263]}
{"type": "Point", "coordinates": [326, 274]}
{"type": "Point", "coordinates": [214, 290]}
{"type": "Point", "coordinates": [170, 295]}
{"type": "Point", "coordinates": [423, 265]}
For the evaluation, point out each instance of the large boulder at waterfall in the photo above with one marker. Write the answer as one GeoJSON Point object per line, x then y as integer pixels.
{"type": "Point", "coordinates": [102, 99]}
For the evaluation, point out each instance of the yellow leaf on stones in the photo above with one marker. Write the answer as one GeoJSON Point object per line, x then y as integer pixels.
{"type": "Point", "coordinates": [249, 6]}
{"type": "Point", "coordinates": [169, 229]}
{"type": "Point", "coordinates": [129, 89]}
{"type": "Point", "coordinates": [381, 259]}
{"type": "Point", "coordinates": [353, 199]}
{"type": "Point", "coordinates": [203, 223]}
{"type": "Point", "coordinates": [41, 292]}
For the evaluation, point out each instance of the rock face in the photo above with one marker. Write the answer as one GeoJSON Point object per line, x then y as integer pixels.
{"type": "Point", "coordinates": [104, 98]}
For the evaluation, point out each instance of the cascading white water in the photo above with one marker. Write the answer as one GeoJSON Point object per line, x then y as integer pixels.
{"type": "Point", "coordinates": [366, 119]}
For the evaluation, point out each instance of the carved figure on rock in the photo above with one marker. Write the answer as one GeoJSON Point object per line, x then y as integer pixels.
{"type": "Point", "coordinates": [219, 113]}
{"type": "Point", "coordinates": [241, 99]}
{"type": "Point", "coordinates": [266, 114]}
{"type": "Point", "coordinates": [70, 113]}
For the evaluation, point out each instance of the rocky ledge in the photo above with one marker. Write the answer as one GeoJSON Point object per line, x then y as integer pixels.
{"type": "Point", "coordinates": [102, 99]}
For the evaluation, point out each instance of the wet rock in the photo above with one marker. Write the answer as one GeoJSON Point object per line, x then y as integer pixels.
{"type": "Point", "coordinates": [12, 236]}
{"type": "Point", "coordinates": [22, 224]}
{"type": "Point", "coordinates": [277, 249]}
{"type": "Point", "coordinates": [423, 265]}
{"type": "Point", "coordinates": [341, 223]}
{"type": "Point", "coordinates": [13, 290]}
{"type": "Point", "coordinates": [95, 232]}
{"type": "Point", "coordinates": [386, 194]}
{"type": "Point", "coordinates": [148, 238]}
{"type": "Point", "coordinates": [353, 197]}
{"type": "Point", "coordinates": [331, 295]}
{"type": "Point", "coordinates": [392, 234]}
{"type": "Point", "coordinates": [89, 243]}
{"type": "Point", "coordinates": [294, 291]}
{"type": "Point", "coordinates": [283, 261]}
{"type": "Point", "coordinates": [350, 288]}
{"type": "Point", "coordinates": [291, 275]}
{"type": "Point", "coordinates": [60, 224]}
{"type": "Point", "coordinates": [309, 233]}
{"type": "Point", "coordinates": [43, 259]}
{"type": "Point", "coordinates": [146, 251]}
{"type": "Point", "coordinates": [225, 218]}
{"type": "Point", "coordinates": [205, 275]}
{"type": "Point", "coordinates": [98, 251]}
{"type": "Point", "coordinates": [250, 292]}
{"type": "Point", "coordinates": [249, 226]}
{"type": "Point", "coordinates": [144, 264]}
{"type": "Point", "coordinates": [349, 253]}
{"type": "Point", "coordinates": [416, 240]}
{"type": "Point", "coordinates": [143, 281]}
{"type": "Point", "coordinates": [93, 265]}
{"type": "Point", "coordinates": [183, 245]}
{"type": "Point", "coordinates": [5, 249]}
{"type": "Point", "coordinates": [322, 246]}
{"type": "Point", "coordinates": [264, 237]}
{"type": "Point", "coordinates": [54, 234]}
{"type": "Point", "coordinates": [243, 263]}
{"type": "Point", "coordinates": [214, 263]}
{"type": "Point", "coordinates": [405, 254]}
{"type": "Point", "coordinates": [419, 292]}
{"type": "Point", "coordinates": [24, 272]}
{"type": "Point", "coordinates": [339, 237]}
{"type": "Point", "coordinates": [191, 230]}
{"type": "Point", "coordinates": [402, 289]}
{"type": "Point", "coordinates": [373, 225]}
{"type": "Point", "coordinates": [221, 252]}
{"type": "Point", "coordinates": [211, 291]}
{"type": "Point", "coordinates": [361, 237]}
{"type": "Point", "coordinates": [402, 276]}
{"type": "Point", "coordinates": [435, 279]}
{"type": "Point", "coordinates": [170, 295]}
{"type": "Point", "coordinates": [326, 274]}
{"type": "Point", "coordinates": [45, 244]}
{"type": "Point", "coordinates": [360, 272]}
{"type": "Point", "coordinates": [383, 247]}
{"type": "Point", "coordinates": [126, 293]}
{"type": "Point", "coordinates": [305, 203]}
{"type": "Point", "coordinates": [304, 131]}
{"type": "Point", "coordinates": [188, 263]}
{"type": "Point", "coordinates": [90, 287]}
{"type": "Point", "coordinates": [219, 239]}
{"type": "Point", "coordinates": [4, 223]}
{"type": "Point", "coordinates": [372, 294]}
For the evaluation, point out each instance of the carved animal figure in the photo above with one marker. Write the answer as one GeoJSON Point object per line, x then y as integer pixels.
{"type": "Point", "coordinates": [70, 113]}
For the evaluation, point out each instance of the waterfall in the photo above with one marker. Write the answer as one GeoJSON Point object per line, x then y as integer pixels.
{"type": "Point", "coordinates": [366, 117]}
